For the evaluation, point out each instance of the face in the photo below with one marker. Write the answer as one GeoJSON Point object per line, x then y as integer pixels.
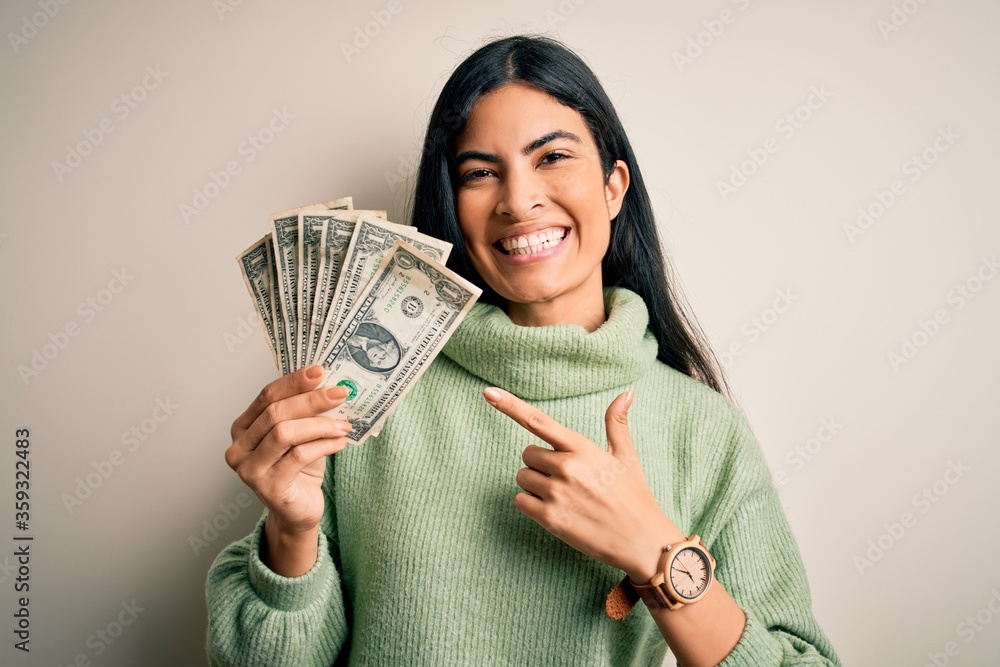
{"type": "Point", "coordinates": [532, 200]}
{"type": "Point", "coordinates": [381, 355]}
{"type": "Point", "coordinates": [377, 354]}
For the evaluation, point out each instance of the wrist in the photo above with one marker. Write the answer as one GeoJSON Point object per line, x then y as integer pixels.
{"type": "Point", "coordinates": [640, 564]}
{"type": "Point", "coordinates": [289, 553]}
{"type": "Point", "coordinates": [288, 532]}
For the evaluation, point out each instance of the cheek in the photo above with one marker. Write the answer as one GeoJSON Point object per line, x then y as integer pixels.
{"type": "Point", "coordinates": [590, 209]}
{"type": "Point", "coordinates": [480, 264]}
{"type": "Point", "coordinates": [582, 194]}
{"type": "Point", "coordinates": [473, 252]}
{"type": "Point", "coordinates": [471, 220]}
{"type": "Point", "coordinates": [598, 243]}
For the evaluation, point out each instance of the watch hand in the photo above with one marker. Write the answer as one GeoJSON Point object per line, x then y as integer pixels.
{"type": "Point", "coordinates": [689, 575]}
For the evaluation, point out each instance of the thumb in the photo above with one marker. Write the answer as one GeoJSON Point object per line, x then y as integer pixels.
{"type": "Point", "coordinates": [616, 422]}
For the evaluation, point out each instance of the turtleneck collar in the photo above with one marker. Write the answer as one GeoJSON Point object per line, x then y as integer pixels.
{"type": "Point", "coordinates": [556, 361]}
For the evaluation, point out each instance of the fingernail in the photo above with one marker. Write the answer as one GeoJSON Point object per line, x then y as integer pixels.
{"type": "Point", "coordinates": [345, 427]}
{"type": "Point", "coordinates": [314, 372]}
{"type": "Point", "coordinates": [492, 395]}
{"type": "Point", "coordinates": [629, 395]}
{"type": "Point", "coordinates": [336, 392]}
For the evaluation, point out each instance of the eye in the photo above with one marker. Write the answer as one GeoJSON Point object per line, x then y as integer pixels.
{"type": "Point", "coordinates": [475, 175]}
{"type": "Point", "coordinates": [554, 156]}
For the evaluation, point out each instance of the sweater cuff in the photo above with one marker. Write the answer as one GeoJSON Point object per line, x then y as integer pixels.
{"type": "Point", "coordinates": [756, 647]}
{"type": "Point", "coordinates": [288, 593]}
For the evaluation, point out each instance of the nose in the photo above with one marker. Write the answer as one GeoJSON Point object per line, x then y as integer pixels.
{"type": "Point", "coordinates": [522, 192]}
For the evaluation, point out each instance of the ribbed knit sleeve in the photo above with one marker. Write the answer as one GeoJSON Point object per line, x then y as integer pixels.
{"type": "Point", "coordinates": [258, 617]}
{"type": "Point", "coordinates": [758, 560]}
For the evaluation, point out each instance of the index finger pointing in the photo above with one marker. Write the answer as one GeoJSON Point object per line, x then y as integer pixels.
{"type": "Point", "coordinates": [531, 418]}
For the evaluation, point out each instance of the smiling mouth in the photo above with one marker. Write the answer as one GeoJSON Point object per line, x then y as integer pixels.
{"type": "Point", "coordinates": [528, 244]}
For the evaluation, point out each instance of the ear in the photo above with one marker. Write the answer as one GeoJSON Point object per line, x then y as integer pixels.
{"type": "Point", "coordinates": [615, 188]}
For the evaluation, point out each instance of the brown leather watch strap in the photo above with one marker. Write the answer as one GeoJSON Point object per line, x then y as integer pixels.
{"type": "Point", "coordinates": [648, 593]}
{"type": "Point", "coordinates": [620, 600]}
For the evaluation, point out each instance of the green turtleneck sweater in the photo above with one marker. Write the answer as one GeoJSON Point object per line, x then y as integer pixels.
{"type": "Point", "coordinates": [424, 560]}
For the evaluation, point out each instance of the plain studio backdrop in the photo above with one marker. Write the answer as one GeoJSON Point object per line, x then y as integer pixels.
{"type": "Point", "coordinates": [823, 174]}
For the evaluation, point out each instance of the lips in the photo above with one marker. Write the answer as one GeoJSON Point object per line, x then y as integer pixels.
{"type": "Point", "coordinates": [532, 242]}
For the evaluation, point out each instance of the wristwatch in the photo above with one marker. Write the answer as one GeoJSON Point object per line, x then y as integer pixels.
{"type": "Point", "coordinates": [683, 576]}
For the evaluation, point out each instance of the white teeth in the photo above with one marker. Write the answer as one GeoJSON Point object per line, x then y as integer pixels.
{"type": "Point", "coordinates": [526, 245]}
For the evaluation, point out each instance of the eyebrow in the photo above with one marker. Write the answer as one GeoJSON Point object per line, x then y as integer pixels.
{"type": "Point", "coordinates": [527, 150]}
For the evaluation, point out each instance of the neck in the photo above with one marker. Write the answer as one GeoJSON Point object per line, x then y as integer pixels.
{"type": "Point", "coordinates": [584, 307]}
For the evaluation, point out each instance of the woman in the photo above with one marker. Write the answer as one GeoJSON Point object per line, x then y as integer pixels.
{"type": "Point", "coordinates": [450, 538]}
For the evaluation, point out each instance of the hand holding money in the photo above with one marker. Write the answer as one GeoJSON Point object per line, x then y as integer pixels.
{"type": "Point", "coordinates": [368, 299]}
{"type": "Point", "coordinates": [289, 485]}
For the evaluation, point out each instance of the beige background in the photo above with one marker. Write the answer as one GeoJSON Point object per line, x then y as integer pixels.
{"type": "Point", "coordinates": [176, 331]}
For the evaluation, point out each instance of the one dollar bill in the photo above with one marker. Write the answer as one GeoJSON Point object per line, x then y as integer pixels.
{"type": "Point", "coordinates": [398, 324]}
{"type": "Point", "coordinates": [256, 265]}
{"type": "Point", "coordinates": [323, 240]}
{"type": "Point", "coordinates": [370, 243]}
{"type": "Point", "coordinates": [285, 240]}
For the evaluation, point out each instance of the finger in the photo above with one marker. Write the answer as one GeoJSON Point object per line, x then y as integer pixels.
{"type": "Point", "coordinates": [298, 406]}
{"type": "Point", "coordinates": [251, 460]}
{"type": "Point", "coordinates": [528, 504]}
{"type": "Point", "coordinates": [301, 380]}
{"type": "Point", "coordinates": [300, 456]}
{"type": "Point", "coordinates": [616, 422]}
{"type": "Point", "coordinates": [541, 459]}
{"type": "Point", "coordinates": [533, 419]}
{"type": "Point", "coordinates": [291, 433]}
{"type": "Point", "coordinates": [533, 482]}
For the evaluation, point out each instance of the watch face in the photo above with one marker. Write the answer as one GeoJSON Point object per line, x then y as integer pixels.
{"type": "Point", "coordinates": [690, 573]}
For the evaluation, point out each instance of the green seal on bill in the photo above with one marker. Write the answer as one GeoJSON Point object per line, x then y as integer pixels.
{"type": "Point", "coordinates": [352, 389]}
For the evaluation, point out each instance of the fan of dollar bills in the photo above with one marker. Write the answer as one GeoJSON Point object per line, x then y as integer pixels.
{"type": "Point", "coordinates": [368, 299]}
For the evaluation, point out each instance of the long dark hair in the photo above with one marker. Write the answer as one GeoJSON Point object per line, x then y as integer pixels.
{"type": "Point", "coordinates": [634, 259]}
